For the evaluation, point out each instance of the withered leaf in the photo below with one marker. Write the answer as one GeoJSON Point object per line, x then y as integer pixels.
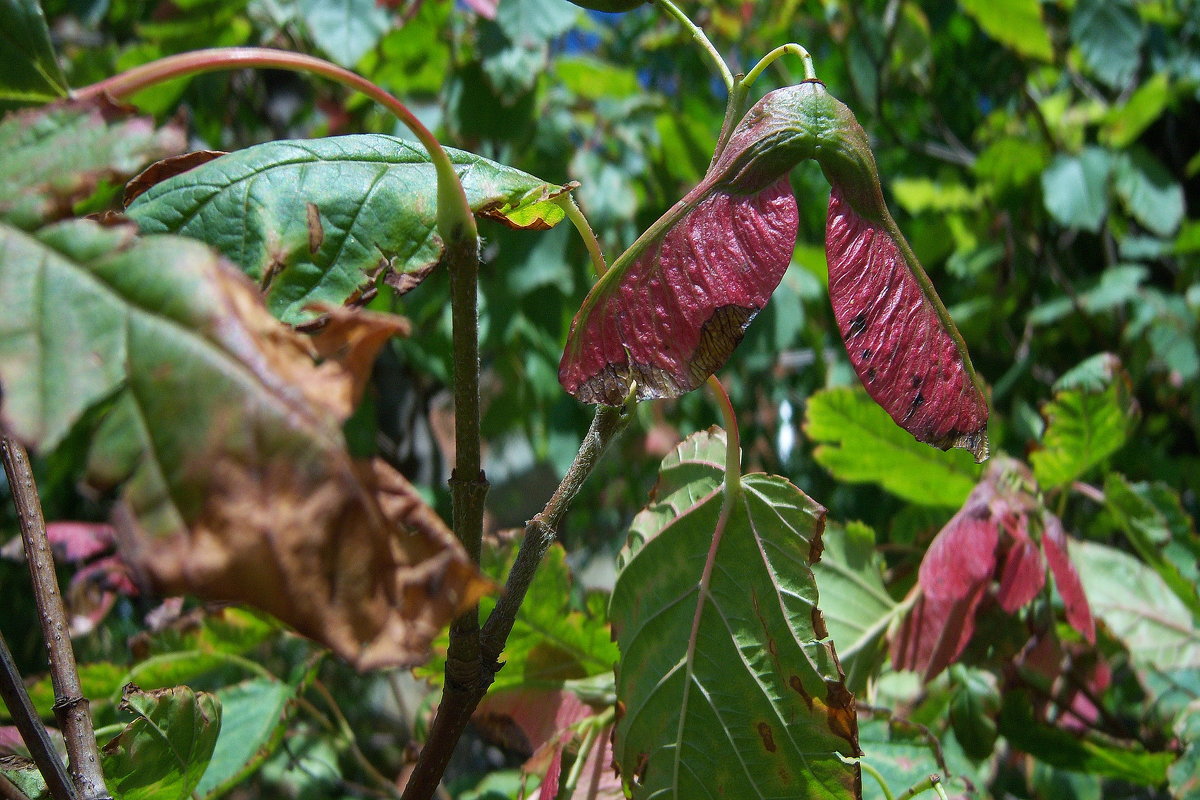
{"type": "Point", "coordinates": [159, 171]}
{"type": "Point", "coordinates": [224, 437]}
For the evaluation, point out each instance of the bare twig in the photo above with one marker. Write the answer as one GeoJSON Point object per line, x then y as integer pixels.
{"type": "Point", "coordinates": [33, 732]}
{"type": "Point", "coordinates": [467, 683]}
{"type": "Point", "coordinates": [70, 706]}
{"type": "Point", "coordinates": [541, 531]}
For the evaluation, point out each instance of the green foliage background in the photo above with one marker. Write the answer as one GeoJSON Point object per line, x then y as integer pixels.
{"type": "Point", "coordinates": [1042, 159]}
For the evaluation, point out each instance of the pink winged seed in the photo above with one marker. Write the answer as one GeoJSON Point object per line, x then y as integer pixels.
{"type": "Point", "coordinates": [904, 355]}
{"type": "Point", "coordinates": [680, 310]}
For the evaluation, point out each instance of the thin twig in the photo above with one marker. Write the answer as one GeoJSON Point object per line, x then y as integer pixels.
{"type": "Point", "coordinates": [463, 689]}
{"type": "Point", "coordinates": [347, 732]}
{"type": "Point", "coordinates": [33, 732]}
{"type": "Point", "coordinates": [541, 531]}
{"type": "Point", "coordinates": [921, 786]}
{"type": "Point", "coordinates": [70, 706]}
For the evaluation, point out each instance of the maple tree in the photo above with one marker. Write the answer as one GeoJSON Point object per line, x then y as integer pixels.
{"type": "Point", "coordinates": [220, 387]}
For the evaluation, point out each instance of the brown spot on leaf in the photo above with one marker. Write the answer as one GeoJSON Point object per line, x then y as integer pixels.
{"type": "Point", "coordinates": [841, 714]}
{"type": "Point", "coordinates": [316, 231]}
{"type": "Point", "coordinates": [767, 736]}
{"type": "Point", "coordinates": [798, 687]}
{"type": "Point", "coordinates": [818, 622]}
{"type": "Point", "coordinates": [159, 171]}
{"type": "Point", "coordinates": [405, 282]}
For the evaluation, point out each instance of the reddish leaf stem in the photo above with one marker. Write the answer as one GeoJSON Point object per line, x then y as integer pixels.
{"type": "Point", "coordinates": [70, 706]}
{"type": "Point", "coordinates": [455, 219]}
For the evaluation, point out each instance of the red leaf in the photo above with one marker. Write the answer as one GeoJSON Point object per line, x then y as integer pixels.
{"type": "Point", "coordinates": [673, 316]}
{"type": "Point", "coordinates": [962, 557]}
{"type": "Point", "coordinates": [954, 575]}
{"type": "Point", "coordinates": [79, 541]}
{"type": "Point", "coordinates": [598, 780]}
{"type": "Point", "coordinates": [1079, 613]}
{"type": "Point", "coordinates": [1023, 575]}
{"type": "Point", "coordinates": [935, 632]}
{"type": "Point", "coordinates": [897, 335]}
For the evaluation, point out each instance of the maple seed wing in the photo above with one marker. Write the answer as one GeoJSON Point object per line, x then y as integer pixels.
{"type": "Point", "coordinates": [905, 355]}
{"type": "Point", "coordinates": [675, 316]}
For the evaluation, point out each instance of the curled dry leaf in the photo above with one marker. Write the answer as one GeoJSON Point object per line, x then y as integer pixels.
{"type": "Point", "coordinates": [225, 439]}
{"type": "Point", "coordinates": [159, 171]}
{"type": "Point", "coordinates": [674, 306]}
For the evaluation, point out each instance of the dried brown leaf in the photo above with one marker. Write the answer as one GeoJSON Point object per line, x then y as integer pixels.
{"type": "Point", "coordinates": [159, 171]}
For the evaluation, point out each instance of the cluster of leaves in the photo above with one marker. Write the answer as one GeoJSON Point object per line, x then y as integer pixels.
{"type": "Point", "coordinates": [1041, 158]}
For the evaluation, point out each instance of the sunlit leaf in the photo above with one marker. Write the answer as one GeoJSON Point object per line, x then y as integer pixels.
{"type": "Point", "coordinates": [856, 606]}
{"type": "Point", "coordinates": [755, 682]}
{"type": "Point", "coordinates": [903, 754]}
{"type": "Point", "coordinates": [163, 753]}
{"type": "Point", "coordinates": [1075, 188]}
{"type": "Point", "coordinates": [535, 20]}
{"type": "Point", "coordinates": [1015, 23]}
{"type": "Point", "coordinates": [1162, 533]}
{"type": "Point", "coordinates": [1118, 285]}
{"type": "Point", "coordinates": [29, 70]}
{"type": "Point", "coordinates": [317, 221]}
{"type": "Point", "coordinates": [1154, 198]}
{"type": "Point", "coordinates": [252, 726]}
{"type": "Point", "coordinates": [859, 443]}
{"type": "Point", "coordinates": [225, 438]}
{"type": "Point", "coordinates": [1109, 36]}
{"type": "Point", "coordinates": [344, 29]}
{"type": "Point", "coordinates": [1125, 123]}
{"type": "Point", "coordinates": [53, 157]}
{"type": "Point", "coordinates": [1184, 774]}
{"type": "Point", "coordinates": [1138, 607]}
{"type": "Point", "coordinates": [1085, 424]}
